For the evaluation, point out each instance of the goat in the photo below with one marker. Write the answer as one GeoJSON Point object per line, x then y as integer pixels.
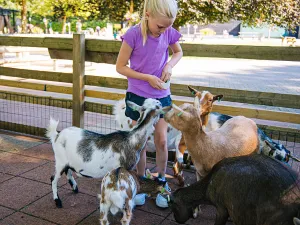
{"type": "Point", "coordinates": [92, 154]}
{"type": "Point", "coordinates": [251, 190]}
{"type": "Point", "coordinates": [118, 189]}
{"type": "Point", "coordinates": [238, 136]}
{"type": "Point", "coordinates": [214, 120]}
{"type": "Point", "coordinates": [174, 136]}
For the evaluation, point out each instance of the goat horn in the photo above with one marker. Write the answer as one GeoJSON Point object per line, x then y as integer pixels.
{"type": "Point", "coordinates": [192, 90]}
{"type": "Point", "coordinates": [197, 102]}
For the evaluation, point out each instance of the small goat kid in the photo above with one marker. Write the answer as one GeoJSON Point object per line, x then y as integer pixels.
{"type": "Point", "coordinates": [92, 154]}
{"type": "Point", "coordinates": [238, 136]}
{"type": "Point", "coordinates": [118, 189]}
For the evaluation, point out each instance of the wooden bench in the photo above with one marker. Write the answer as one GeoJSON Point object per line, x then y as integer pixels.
{"type": "Point", "coordinates": [252, 35]}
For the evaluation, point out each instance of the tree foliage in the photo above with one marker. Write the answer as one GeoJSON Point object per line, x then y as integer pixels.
{"type": "Point", "coordinates": [283, 13]}
{"type": "Point", "coordinates": [251, 12]}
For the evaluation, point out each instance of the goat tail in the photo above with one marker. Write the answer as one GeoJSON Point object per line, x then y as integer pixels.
{"type": "Point", "coordinates": [117, 200]}
{"type": "Point", "coordinates": [51, 132]}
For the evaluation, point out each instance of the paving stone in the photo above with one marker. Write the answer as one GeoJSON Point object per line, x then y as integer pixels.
{"type": "Point", "coordinates": [141, 217]}
{"type": "Point", "coordinates": [151, 207]}
{"type": "Point", "coordinates": [75, 207]}
{"type": "Point", "coordinates": [17, 142]}
{"type": "Point", "coordinates": [42, 151]}
{"type": "Point", "coordinates": [5, 212]}
{"type": "Point", "coordinates": [16, 164]}
{"type": "Point", "coordinates": [19, 192]}
{"type": "Point", "coordinates": [43, 174]}
{"type": "Point", "coordinates": [86, 185]}
{"type": "Point", "coordinates": [4, 177]}
{"type": "Point", "coordinates": [206, 217]}
{"type": "Point", "coordinates": [19, 218]}
{"type": "Point", "coordinates": [91, 219]}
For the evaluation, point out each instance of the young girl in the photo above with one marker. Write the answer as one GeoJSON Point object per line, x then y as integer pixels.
{"type": "Point", "coordinates": [146, 46]}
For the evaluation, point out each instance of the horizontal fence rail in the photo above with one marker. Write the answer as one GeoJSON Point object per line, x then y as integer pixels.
{"type": "Point", "coordinates": [113, 47]}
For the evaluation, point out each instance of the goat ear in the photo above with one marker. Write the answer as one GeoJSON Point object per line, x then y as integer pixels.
{"type": "Point", "coordinates": [196, 102]}
{"type": "Point", "coordinates": [217, 97]}
{"type": "Point", "coordinates": [134, 106]}
{"type": "Point", "coordinates": [193, 90]}
{"type": "Point", "coordinates": [148, 174]}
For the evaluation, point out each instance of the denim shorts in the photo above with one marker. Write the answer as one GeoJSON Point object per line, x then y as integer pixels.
{"type": "Point", "coordinates": [134, 115]}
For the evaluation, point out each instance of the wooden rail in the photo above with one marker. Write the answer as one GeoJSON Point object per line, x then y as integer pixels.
{"type": "Point", "coordinates": [111, 48]}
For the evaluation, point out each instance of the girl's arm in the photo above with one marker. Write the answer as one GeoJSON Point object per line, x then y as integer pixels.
{"type": "Point", "coordinates": [177, 55]}
{"type": "Point", "coordinates": [122, 68]}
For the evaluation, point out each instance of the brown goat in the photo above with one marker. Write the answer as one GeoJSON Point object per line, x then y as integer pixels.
{"type": "Point", "coordinates": [238, 136]}
{"type": "Point", "coordinates": [206, 100]}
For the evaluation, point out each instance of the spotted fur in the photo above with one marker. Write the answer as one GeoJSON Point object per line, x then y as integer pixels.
{"type": "Point", "coordinates": [92, 154]}
{"type": "Point", "coordinates": [118, 189]}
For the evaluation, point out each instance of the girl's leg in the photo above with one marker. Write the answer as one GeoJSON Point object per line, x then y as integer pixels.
{"type": "Point", "coordinates": [141, 165]}
{"type": "Point", "coordinates": [160, 140]}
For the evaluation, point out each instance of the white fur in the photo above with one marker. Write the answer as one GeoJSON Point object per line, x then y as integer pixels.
{"type": "Point", "coordinates": [173, 137]}
{"type": "Point", "coordinates": [115, 196]}
{"type": "Point", "coordinates": [103, 159]}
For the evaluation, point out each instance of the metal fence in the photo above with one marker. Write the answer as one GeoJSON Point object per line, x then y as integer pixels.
{"type": "Point", "coordinates": [31, 114]}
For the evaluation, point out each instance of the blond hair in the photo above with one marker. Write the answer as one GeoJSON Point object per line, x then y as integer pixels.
{"type": "Point", "coordinates": [166, 8]}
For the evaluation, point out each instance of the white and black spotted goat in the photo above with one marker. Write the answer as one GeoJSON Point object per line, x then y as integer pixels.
{"type": "Point", "coordinates": [92, 154]}
{"type": "Point", "coordinates": [125, 123]}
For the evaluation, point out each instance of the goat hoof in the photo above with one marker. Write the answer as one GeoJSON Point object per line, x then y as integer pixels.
{"type": "Point", "coordinates": [180, 180]}
{"type": "Point", "coordinates": [175, 171]}
{"type": "Point", "coordinates": [58, 203]}
{"type": "Point", "coordinates": [188, 166]}
{"type": "Point", "coordinates": [75, 190]}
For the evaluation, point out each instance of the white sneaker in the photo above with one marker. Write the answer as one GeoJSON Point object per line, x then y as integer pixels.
{"type": "Point", "coordinates": [140, 199]}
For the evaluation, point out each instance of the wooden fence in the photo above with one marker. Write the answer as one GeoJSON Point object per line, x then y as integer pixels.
{"type": "Point", "coordinates": [80, 50]}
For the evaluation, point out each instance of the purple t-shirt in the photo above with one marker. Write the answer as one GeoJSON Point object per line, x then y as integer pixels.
{"type": "Point", "coordinates": [149, 59]}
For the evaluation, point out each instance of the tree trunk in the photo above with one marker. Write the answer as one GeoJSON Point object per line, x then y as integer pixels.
{"type": "Point", "coordinates": [23, 16]}
{"type": "Point", "coordinates": [131, 11]}
{"type": "Point", "coordinates": [64, 24]}
{"type": "Point", "coordinates": [131, 6]}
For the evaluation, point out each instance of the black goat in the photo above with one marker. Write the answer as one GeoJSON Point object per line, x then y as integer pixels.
{"type": "Point", "coordinates": [252, 190]}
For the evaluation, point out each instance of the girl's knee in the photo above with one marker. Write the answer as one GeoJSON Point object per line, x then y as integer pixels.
{"type": "Point", "coordinates": [161, 143]}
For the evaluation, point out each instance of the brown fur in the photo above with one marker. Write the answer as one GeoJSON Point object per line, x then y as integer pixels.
{"type": "Point", "coordinates": [238, 136]}
{"type": "Point", "coordinates": [206, 106]}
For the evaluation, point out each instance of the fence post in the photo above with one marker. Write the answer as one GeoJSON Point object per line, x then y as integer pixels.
{"type": "Point", "coordinates": [78, 79]}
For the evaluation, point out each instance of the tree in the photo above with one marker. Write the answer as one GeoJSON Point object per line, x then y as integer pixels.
{"type": "Point", "coordinates": [250, 12]}
{"type": "Point", "coordinates": [115, 10]}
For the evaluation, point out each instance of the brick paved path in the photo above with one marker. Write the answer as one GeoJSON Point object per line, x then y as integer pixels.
{"type": "Point", "coordinates": [26, 165]}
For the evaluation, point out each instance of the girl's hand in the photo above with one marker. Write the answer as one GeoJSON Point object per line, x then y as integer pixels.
{"type": "Point", "coordinates": [155, 82]}
{"type": "Point", "coordinates": [166, 73]}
